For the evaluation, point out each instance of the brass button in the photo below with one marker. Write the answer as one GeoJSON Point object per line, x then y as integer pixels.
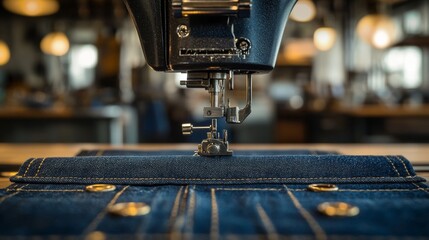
{"type": "Point", "coordinates": [100, 188]}
{"type": "Point", "coordinates": [130, 209]}
{"type": "Point", "coordinates": [96, 236]}
{"type": "Point", "coordinates": [322, 187]}
{"type": "Point", "coordinates": [338, 209]}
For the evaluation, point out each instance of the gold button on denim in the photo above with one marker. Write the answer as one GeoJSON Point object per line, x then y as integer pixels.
{"type": "Point", "coordinates": [100, 188]}
{"type": "Point", "coordinates": [130, 209]}
{"type": "Point", "coordinates": [96, 236]}
{"type": "Point", "coordinates": [322, 187]}
{"type": "Point", "coordinates": [338, 209]}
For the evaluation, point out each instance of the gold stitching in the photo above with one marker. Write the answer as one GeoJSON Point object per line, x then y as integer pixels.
{"type": "Point", "coordinates": [175, 210]}
{"type": "Point", "coordinates": [214, 227]}
{"type": "Point", "coordinates": [405, 166]}
{"type": "Point", "coordinates": [176, 226]}
{"type": "Point", "coordinates": [319, 233]}
{"type": "Point", "coordinates": [421, 189]}
{"type": "Point", "coordinates": [190, 214]}
{"type": "Point", "coordinates": [28, 167]}
{"type": "Point", "coordinates": [2, 199]}
{"type": "Point", "coordinates": [40, 166]}
{"type": "Point", "coordinates": [213, 179]}
{"type": "Point", "coordinates": [268, 224]}
{"type": "Point", "coordinates": [99, 153]}
{"type": "Point", "coordinates": [94, 223]}
{"type": "Point", "coordinates": [45, 190]}
{"type": "Point", "coordinates": [393, 166]}
{"type": "Point", "coordinates": [304, 190]}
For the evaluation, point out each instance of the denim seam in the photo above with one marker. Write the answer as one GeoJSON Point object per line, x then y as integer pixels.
{"type": "Point", "coordinates": [393, 166]}
{"type": "Point", "coordinates": [214, 217]}
{"type": "Point", "coordinates": [319, 233]}
{"type": "Point", "coordinates": [190, 214]}
{"type": "Point", "coordinates": [2, 199]}
{"type": "Point", "coordinates": [99, 153]}
{"type": "Point", "coordinates": [405, 166]}
{"type": "Point", "coordinates": [267, 223]}
{"type": "Point", "coordinates": [421, 189]}
{"type": "Point", "coordinates": [211, 179]}
{"type": "Point", "coordinates": [306, 190]}
{"type": "Point", "coordinates": [182, 209]}
{"type": "Point", "coordinates": [28, 166]}
{"type": "Point", "coordinates": [96, 221]}
{"type": "Point", "coordinates": [40, 166]}
{"type": "Point", "coordinates": [45, 190]}
{"type": "Point", "coordinates": [174, 211]}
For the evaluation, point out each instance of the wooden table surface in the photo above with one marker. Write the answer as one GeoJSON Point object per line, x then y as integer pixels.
{"type": "Point", "coordinates": [16, 154]}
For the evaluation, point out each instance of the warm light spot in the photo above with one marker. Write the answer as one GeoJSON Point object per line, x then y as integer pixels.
{"type": "Point", "coordinates": [32, 8]}
{"type": "Point", "coordinates": [304, 11]}
{"type": "Point", "coordinates": [4, 53]}
{"type": "Point", "coordinates": [56, 44]}
{"type": "Point", "coordinates": [324, 38]}
{"type": "Point", "coordinates": [378, 30]}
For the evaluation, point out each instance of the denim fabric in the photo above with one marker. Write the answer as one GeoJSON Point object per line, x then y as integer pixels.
{"type": "Point", "coordinates": [245, 196]}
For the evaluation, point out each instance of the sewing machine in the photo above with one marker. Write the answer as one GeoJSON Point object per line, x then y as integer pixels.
{"type": "Point", "coordinates": [212, 41]}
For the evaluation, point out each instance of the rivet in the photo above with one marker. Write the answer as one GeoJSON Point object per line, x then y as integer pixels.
{"type": "Point", "coordinates": [100, 188]}
{"type": "Point", "coordinates": [130, 209]}
{"type": "Point", "coordinates": [322, 187]}
{"type": "Point", "coordinates": [96, 235]}
{"type": "Point", "coordinates": [338, 209]}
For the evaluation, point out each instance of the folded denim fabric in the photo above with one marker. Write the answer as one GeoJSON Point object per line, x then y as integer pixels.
{"type": "Point", "coordinates": [245, 169]}
{"type": "Point", "coordinates": [242, 197]}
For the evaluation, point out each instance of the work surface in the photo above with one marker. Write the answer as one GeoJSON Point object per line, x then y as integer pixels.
{"type": "Point", "coordinates": [17, 153]}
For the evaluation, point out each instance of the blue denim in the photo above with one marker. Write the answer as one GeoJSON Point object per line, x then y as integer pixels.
{"type": "Point", "coordinates": [245, 196]}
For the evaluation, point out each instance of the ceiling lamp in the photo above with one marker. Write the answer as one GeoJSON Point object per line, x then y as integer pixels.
{"type": "Point", "coordinates": [55, 43]}
{"type": "Point", "coordinates": [32, 8]}
{"type": "Point", "coordinates": [378, 30]}
{"type": "Point", "coordinates": [4, 53]}
{"type": "Point", "coordinates": [304, 11]}
{"type": "Point", "coordinates": [324, 38]}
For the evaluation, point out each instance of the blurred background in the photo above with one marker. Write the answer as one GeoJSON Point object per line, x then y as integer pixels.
{"type": "Point", "coordinates": [348, 71]}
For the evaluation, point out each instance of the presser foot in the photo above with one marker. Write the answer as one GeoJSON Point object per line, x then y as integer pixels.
{"type": "Point", "coordinates": [214, 145]}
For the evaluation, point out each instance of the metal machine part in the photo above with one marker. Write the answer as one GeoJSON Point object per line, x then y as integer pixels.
{"type": "Point", "coordinates": [212, 40]}
{"type": "Point", "coordinates": [214, 83]}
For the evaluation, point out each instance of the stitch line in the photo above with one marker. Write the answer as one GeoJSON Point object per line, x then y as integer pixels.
{"type": "Point", "coordinates": [319, 233]}
{"type": "Point", "coordinates": [141, 230]}
{"type": "Point", "coordinates": [99, 153]}
{"type": "Point", "coordinates": [40, 166]}
{"type": "Point", "coordinates": [214, 227]}
{"type": "Point", "coordinates": [93, 225]}
{"type": "Point", "coordinates": [393, 165]}
{"type": "Point", "coordinates": [28, 167]}
{"type": "Point", "coordinates": [179, 220]}
{"type": "Point", "coordinates": [44, 190]}
{"type": "Point", "coordinates": [268, 224]}
{"type": "Point", "coordinates": [190, 214]}
{"type": "Point", "coordinates": [174, 211]}
{"type": "Point", "coordinates": [419, 188]}
{"type": "Point", "coordinates": [212, 179]}
{"type": "Point", "coordinates": [405, 166]}
{"type": "Point", "coordinates": [2, 199]}
{"type": "Point", "coordinates": [304, 190]}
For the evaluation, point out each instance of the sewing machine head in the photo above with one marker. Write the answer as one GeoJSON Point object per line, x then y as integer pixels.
{"type": "Point", "coordinates": [212, 40]}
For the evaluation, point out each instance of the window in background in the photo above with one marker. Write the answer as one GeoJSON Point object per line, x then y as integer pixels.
{"type": "Point", "coordinates": [404, 67]}
{"type": "Point", "coordinates": [83, 60]}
